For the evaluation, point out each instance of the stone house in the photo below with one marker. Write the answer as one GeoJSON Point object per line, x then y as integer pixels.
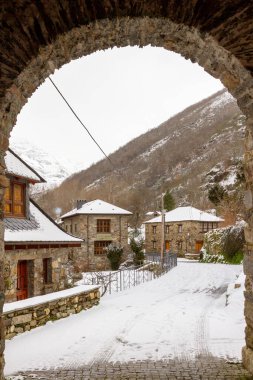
{"type": "Point", "coordinates": [183, 232]}
{"type": "Point", "coordinates": [99, 223]}
{"type": "Point", "coordinates": [37, 250]}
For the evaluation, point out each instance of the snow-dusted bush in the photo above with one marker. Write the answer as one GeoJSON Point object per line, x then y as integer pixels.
{"type": "Point", "coordinates": [233, 240]}
{"type": "Point", "coordinates": [207, 258]}
{"type": "Point", "coordinates": [114, 255]}
{"type": "Point", "coordinates": [224, 244]}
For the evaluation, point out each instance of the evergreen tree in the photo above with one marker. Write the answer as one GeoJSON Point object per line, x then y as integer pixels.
{"type": "Point", "coordinates": [169, 201]}
{"type": "Point", "coordinates": [216, 194]}
{"type": "Point", "coordinates": [137, 246]}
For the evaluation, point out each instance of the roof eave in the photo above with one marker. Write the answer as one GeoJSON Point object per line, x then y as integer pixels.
{"type": "Point", "coordinates": [40, 242]}
{"type": "Point", "coordinates": [86, 213]}
{"type": "Point", "coordinates": [42, 180]}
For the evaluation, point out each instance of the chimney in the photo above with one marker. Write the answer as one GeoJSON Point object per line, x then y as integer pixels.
{"type": "Point", "coordinates": [80, 203]}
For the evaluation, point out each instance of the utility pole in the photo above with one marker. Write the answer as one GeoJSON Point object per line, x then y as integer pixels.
{"type": "Point", "coordinates": [162, 232]}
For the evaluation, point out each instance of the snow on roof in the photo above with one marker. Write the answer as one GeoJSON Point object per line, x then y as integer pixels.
{"type": "Point", "coordinates": [97, 207]}
{"type": "Point", "coordinates": [187, 213]}
{"type": "Point", "coordinates": [16, 166]}
{"type": "Point", "coordinates": [44, 230]}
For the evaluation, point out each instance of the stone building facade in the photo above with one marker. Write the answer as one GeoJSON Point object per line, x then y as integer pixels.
{"type": "Point", "coordinates": [99, 223]}
{"type": "Point", "coordinates": [37, 252]}
{"type": "Point", "coordinates": [183, 231]}
{"type": "Point", "coordinates": [46, 35]}
{"type": "Point", "coordinates": [35, 255]}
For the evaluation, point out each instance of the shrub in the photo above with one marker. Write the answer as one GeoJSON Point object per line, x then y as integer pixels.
{"type": "Point", "coordinates": [233, 241]}
{"type": "Point", "coordinates": [137, 246]}
{"type": "Point", "coordinates": [216, 193]}
{"type": "Point", "coordinates": [224, 245]}
{"type": "Point", "coordinates": [114, 255]}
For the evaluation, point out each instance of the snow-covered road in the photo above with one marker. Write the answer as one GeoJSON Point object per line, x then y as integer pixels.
{"type": "Point", "coordinates": [181, 314]}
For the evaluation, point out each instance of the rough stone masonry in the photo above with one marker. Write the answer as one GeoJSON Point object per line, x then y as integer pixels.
{"type": "Point", "coordinates": [39, 36]}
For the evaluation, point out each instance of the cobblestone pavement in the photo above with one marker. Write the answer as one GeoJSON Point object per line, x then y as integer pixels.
{"type": "Point", "coordinates": [207, 368]}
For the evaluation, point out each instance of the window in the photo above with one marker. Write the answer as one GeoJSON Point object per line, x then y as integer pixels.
{"type": "Point", "coordinates": [154, 229]}
{"type": "Point", "coordinates": [15, 200]}
{"type": "Point", "coordinates": [167, 229]}
{"type": "Point", "coordinates": [99, 247]}
{"type": "Point", "coordinates": [103, 225]}
{"type": "Point", "coordinates": [154, 244]}
{"type": "Point", "coordinates": [180, 228]}
{"type": "Point", "coordinates": [75, 227]}
{"type": "Point", "coordinates": [66, 228]}
{"type": "Point", "coordinates": [204, 227]}
{"type": "Point", "coordinates": [47, 270]}
{"type": "Point", "coordinates": [179, 245]}
{"type": "Point", "coordinates": [208, 226]}
{"type": "Point", "coordinates": [71, 228]}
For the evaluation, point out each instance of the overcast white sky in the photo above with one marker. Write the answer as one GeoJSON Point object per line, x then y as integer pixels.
{"type": "Point", "coordinates": [118, 94]}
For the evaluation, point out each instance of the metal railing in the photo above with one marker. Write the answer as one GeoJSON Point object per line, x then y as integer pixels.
{"type": "Point", "coordinates": [126, 278]}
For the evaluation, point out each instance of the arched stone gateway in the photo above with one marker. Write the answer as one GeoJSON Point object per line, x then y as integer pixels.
{"type": "Point", "coordinates": [38, 36]}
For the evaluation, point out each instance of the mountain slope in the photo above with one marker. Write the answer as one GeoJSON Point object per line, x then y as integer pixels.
{"type": "Point", "coordinates": [180, 155]}
{"type": "Point", "coordinates": [53, 170]}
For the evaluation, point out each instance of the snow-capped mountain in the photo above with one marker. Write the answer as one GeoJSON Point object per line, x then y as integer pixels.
{"type": "Point", "coordinates": [52, 169]}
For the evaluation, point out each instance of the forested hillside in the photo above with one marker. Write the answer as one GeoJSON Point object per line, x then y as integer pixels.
{"type": "Point", "coordinates": [187, 154]}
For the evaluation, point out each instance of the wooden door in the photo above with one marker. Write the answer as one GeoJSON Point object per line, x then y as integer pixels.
{"type": "Point", "coordinates": [22, 280]}
{"type": "Point", "coordinates": [198, 245]}
{"type": "Point", "coordinates": [167, 245]}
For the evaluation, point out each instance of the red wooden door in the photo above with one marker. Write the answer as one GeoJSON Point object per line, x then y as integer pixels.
{"type": "Point", "coordinates": [22, 280]}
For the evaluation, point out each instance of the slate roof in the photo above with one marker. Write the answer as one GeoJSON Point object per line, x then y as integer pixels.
{"type": "Point", "coordinates": [98, 207]}
{"type": "Point", "coordinates": [187, 213]}
{"type": "Point", "coordinates": [16, 166]}
{"type": "Point", "coordinates": [38, 228]}
{"type": "Point", "coordinates": [19, 224]}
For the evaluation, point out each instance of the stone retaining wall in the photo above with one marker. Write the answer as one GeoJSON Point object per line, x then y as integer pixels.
{"type": "Point", "coordinates": [18, 320]}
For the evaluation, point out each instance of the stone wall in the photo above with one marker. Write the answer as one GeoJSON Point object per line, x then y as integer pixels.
{"type": "Point", "coordinates": [191, 233]}
{"type": "Point", "coordinates": [20, 318]}
{"type": "Point", "coordinates": [85, 227]}
{"type": "Point", "coordinates": [62, 272]}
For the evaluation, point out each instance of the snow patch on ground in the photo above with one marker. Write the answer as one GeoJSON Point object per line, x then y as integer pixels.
{"type": "Point", "coordinates": [182, 314]}
{"type": "Point", "coordinates": [154, 147]}
{"type": "Point", "coordinates": [230, 180]}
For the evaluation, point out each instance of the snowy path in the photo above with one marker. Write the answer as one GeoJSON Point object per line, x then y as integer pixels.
{"type": "Point", "coordinates": [181, 314]}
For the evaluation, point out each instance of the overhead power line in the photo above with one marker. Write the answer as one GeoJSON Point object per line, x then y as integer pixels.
{"type": "Point", "coordinates": [89, 133]}
{"type": "Point", "coordinates": [80, 121]}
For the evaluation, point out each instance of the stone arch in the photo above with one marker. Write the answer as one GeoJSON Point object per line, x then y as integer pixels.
{"type": "Point", "coordinates": [59, 33]}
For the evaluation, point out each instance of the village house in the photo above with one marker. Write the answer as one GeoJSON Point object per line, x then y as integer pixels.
{"type": "Point", "coordinates": [99, 223]}
{"type": "Point", "coordinates": [37, 250]}
{"type": "Point", "coordinates": [183, 232]}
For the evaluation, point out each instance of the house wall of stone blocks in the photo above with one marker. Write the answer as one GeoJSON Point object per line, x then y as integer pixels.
{"type": "Point", "coordinates": [187, 241]}
{"type": "Point", "coordinates": [85, 227]}
{"type": "Point", "coordinates": [61, 270]}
